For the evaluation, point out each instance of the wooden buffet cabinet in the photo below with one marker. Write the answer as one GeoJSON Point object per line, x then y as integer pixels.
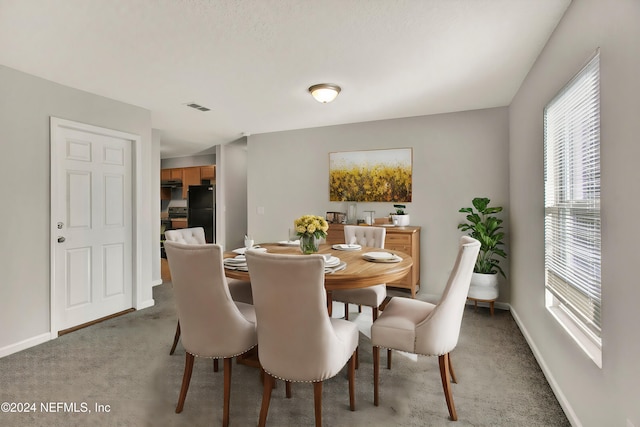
{"type": "Point", "coordinates": [403, 239]}
{"type": "Point", "coordinates": [188, 176]}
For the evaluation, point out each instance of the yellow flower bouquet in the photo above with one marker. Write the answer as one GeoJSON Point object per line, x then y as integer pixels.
{"type": "Point", "coordinates": [310, 228]}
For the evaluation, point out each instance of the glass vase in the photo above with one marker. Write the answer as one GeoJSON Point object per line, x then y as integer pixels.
{"type": "Point", "coordinates": [309, 244]}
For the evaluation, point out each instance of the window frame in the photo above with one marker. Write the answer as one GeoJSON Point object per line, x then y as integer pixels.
{"type": "Point", "coordinates": [572, 221]}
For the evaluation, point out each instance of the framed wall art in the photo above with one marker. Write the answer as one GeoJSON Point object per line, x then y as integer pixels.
{"type": "Point", "coordinates": [371, 175]}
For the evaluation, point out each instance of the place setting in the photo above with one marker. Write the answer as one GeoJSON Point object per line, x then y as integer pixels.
{"type": "Point", "coordinates": [237, 263]}
{"type": "Point", "coordinates": [347, 247]}
{"type": "Point", "coordinates": [293, 241]}
{"type": "Point", "coordinates": [381, 257]}
{"type": "Point", "coordinates": [333, 264]}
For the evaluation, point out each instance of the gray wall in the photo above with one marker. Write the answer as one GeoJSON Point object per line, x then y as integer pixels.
{"type": "Point", "coordinates": [26, 103]}
{"type": "Point", "coordinates": [231, 193]}
{"type": "Point", "coordinates": [591, 396]}
{"type": "Point", "coordinates": [456, 157]}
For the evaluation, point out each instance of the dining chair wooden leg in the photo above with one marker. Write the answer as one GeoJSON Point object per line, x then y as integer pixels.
{"type": "Point", "coordinates": [359, 309]}
{"type": "Point", "coordinates": [451, 371]}
{"type": "Point", "coordinates": [287, 387]}
{"type": "Point", "coordinates": [317, 402]}
{"type": "Point", "coordinates": [446, 385]}
{"type": "Point", "coordinates": [175, 338]}
{"type": "Point", "coordinates": [227, 391]}
{"type": "Point", "coordinates": [215, 365]}
{"type": "Point", "coordinates": [374, 313]}
{"type": "Point", "coordinates": [346, 311]}
{"type": "Point", "coordinates": [357, 358]}
{"type": "Point", "coordinates": [376, 373]}
{"type": "Point", "coordinates": [266, 399]}
{"type": "Point", "coordinates": [388, 358]}
{"type": "Point", "coordinates": [186, 379]}
{"type": "Point", "coordinates": [352, 376]}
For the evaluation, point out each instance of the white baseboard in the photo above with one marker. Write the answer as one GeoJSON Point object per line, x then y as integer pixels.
{"type": "Point", "coordinates": [156, 282]}
{"type": "Point", "coordinates": [25, 344]}
{"type": "Point", "coordinates": [566, 406]}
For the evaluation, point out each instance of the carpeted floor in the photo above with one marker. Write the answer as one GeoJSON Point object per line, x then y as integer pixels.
{"type": "Point", "coordinates": [120, 373]}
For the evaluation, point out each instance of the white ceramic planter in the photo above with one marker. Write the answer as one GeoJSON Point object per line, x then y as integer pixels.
{"type": "Point", "coordinates": [400, 220]}
{"type": "Point", "coordinates": [483, 287]}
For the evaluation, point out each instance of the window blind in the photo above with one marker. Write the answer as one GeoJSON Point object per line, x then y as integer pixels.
{"type": "Point", "coordinates": [572, 199]}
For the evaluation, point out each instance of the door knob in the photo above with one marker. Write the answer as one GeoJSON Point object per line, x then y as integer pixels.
{"type": "Point", "coordinates": [61, 239]}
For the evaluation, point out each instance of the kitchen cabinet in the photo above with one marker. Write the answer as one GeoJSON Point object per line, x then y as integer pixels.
{"type": "Point", "coordinates": [403, 239]}
{"type": "Point", "coordinates": [191, 176]}
{"type": "Point", "coordinates": [165, 174]}
{"type": "Point", "coordinates": [208, 172]}
{"type": "Point", "coordinates": [165, 193]}
{"type": "Point", "coordinates": [179, 223]}
{"type": "Point", "coordinates": [176, 173]}
{"type": "Point", "coordinates": [187, 176]}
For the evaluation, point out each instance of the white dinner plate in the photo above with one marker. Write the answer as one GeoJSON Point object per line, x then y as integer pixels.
{"type": "Point", "coordinates": [381, 257]}
{"type": "Point", "coordinates": [346, 247]}
{"type": "Point", "coordinates": [289, 243]}
{"type": "Point", "coordinates": [235, 264]}
{"type": "Point", "coordinates": [241, 251]}
{"type": "Point", "coordinates": [332, 261]}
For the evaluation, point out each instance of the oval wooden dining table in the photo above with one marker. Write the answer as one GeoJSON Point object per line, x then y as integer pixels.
{"type": "Point", "coordinates": [359, 273]}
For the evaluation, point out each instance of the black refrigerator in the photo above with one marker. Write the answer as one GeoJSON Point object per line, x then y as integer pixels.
{"type": "Point", "coordinates": [201, 209]}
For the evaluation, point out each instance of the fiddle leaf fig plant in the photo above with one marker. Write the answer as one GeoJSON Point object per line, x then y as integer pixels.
{"type": "Point", "coordinates": [483, 226]}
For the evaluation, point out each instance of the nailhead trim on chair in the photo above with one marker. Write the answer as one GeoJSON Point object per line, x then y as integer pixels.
{"type": "Point", "coordinates": [302, 381]}
{"type": "Point", "coordinates": [222, 357]}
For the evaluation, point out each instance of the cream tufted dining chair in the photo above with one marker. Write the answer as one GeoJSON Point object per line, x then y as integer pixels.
{"type": "Point", "coordinates": [213, 325]}
{"type": "Point", "coordinates": [371, 296]}
{"type": "Point", "coordinates": [240, 290]}
{"type": "Point", "coordinates": [422, 328]}
{"type": "Point", "coordinates": [188, 236]}
{"type": "Point", "coordinates": [301, 343]}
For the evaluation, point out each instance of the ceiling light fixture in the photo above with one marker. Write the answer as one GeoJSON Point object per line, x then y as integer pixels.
{"type": "Point", "coordinates": [324, 92]}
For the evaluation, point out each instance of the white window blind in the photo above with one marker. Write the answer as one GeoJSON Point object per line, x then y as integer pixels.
{"type": "Point", "coordinates": [572, 199]}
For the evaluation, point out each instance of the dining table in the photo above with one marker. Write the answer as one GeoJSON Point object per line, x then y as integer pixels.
{"type": "Point", "coordinates": [357, 273]}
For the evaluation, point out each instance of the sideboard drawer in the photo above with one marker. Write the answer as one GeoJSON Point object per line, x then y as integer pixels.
{"type": "Point", "coordinates": [398, 242]}
{"type": "Point", "coordinates": [397, 239]}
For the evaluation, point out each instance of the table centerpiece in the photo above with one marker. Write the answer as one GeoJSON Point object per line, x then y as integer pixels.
{"type": "Point", "coordinates": [310, 229]}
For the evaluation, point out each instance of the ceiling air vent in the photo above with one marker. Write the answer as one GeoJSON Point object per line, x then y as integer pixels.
{"type": "Point", "coordinates": [198, 106]}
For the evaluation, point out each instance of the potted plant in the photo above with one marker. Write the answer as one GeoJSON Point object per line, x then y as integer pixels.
{"type": "Point", "coordinates": [400, 218]}
{"type": "Point", "coordinates": [483, 226]}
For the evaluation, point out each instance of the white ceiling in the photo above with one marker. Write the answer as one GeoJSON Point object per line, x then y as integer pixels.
{"type": "Point", "coordinates": [252, 61]}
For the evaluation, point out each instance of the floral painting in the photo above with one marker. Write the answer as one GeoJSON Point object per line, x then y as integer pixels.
{"type": "Point", "coordinates": [371, 175]}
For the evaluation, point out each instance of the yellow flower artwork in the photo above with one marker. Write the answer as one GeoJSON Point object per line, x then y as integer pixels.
{"type": "Point", "coordinates": [371, 175]}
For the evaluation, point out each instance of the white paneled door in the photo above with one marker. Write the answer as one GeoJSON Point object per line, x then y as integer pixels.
{"type": "Point", "coordinates": [92, 221]}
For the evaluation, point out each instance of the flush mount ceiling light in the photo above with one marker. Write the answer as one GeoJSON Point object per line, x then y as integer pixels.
{"type": "Point", "coordinates": [324, 92]}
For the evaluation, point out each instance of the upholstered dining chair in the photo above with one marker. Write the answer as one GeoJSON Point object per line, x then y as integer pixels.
{"type": "Point", "coordinates": [300, 343]}
{"type": "Point", "coordinates": [422, 328]}
{"type": "Point", "coordinates": [239, 290]}
{"type": "Point", "coordinates": [371, 296]}
{"type": "Point", "coordinates": [213, 325]}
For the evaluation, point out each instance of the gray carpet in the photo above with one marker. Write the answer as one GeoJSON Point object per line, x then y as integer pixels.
{"type": "Point", "coordinates": [124, 365]}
